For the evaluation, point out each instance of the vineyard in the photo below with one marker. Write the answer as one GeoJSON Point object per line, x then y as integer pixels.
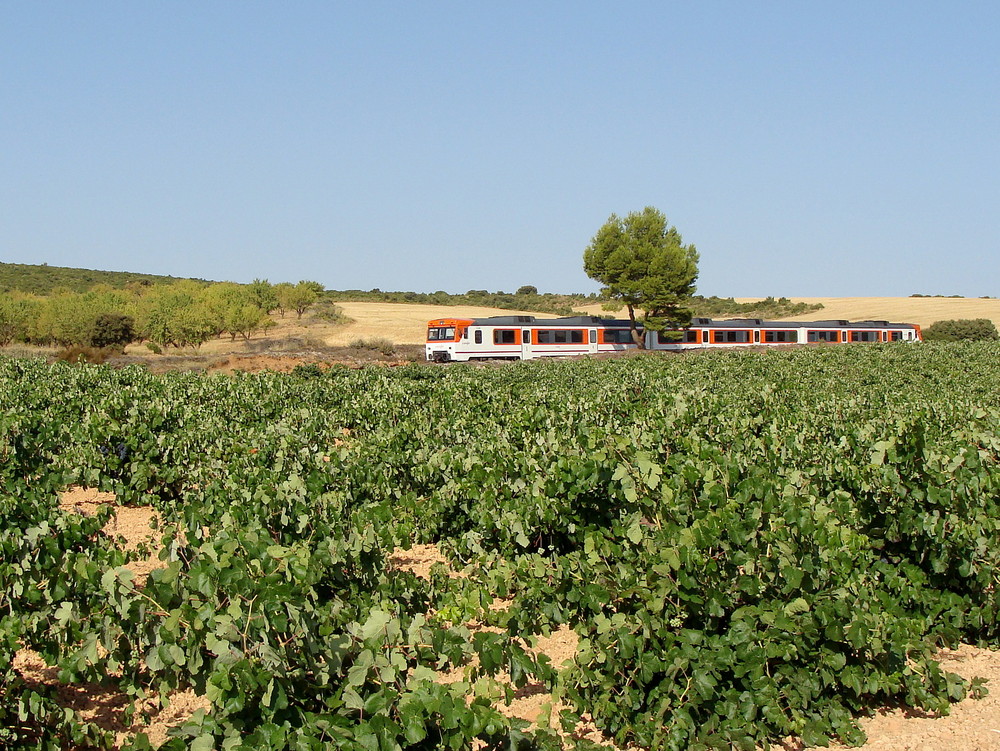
{"type": "Point", "coordinates": [748, 546]}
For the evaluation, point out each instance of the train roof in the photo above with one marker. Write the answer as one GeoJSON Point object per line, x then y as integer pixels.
{"type": "Point", "coordinates": [730, 323]}
{"type": "Point", "coordinates": [742, 323]}
{"type": "Point", "coordinates": [551, 322]}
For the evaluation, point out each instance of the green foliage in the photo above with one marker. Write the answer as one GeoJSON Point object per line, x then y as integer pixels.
{"type": "Point", "coordinates": [547, 302]}
{"type": "Point", "coordinates": [962, 329]}
{"type": "Point", "coordinates": [16, 314]}
{"type": "Point", "coordinates": [262, 295]}
{"type": "Point", "coordinates": [768, 308]}
{"type": "Point", "coordinates": [750, 545]}
{"type": "Point", "coordinates": [112, 330]}
{"type": "Point", "coordinates": [42, 279]}
{"type": "Point", "coordinates": [299, 297]}
{"type": "Point", "coordinates": [643, 264]}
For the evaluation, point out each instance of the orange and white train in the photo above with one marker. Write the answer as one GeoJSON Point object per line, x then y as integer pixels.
{"type": "Point", "coordinates": [519, 337]}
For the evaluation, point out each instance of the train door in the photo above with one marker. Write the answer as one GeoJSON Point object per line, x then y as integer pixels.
{"type": "Point", "coordinates": [526, 353]}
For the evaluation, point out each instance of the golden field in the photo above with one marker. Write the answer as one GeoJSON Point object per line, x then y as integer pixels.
{"type": "Point", "coordinates": [402, 323]}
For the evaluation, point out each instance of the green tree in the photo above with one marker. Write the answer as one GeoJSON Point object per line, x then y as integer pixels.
{"type": "Point", "coordinates": [112, 330]}
{"type": "Point", "coordinates": [282, 291]}
{"type": "Point", "coordinates": [300, 297]}
{"type": "Point", "coordinates": [262, 295]}
{"type": "Point", "coordinates": [962, 329]}
{"type": "Point", "coordinates": [527, 289]}
{"type": "Point", "coordinates": [16, 311]}
{"type": "Point", "coordinates": [644, 265]}
{"type": "Point", "coordinates": [173, 314]}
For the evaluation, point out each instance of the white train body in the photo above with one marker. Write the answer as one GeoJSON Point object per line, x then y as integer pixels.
{"type": "Point", "coordinates": [527, 338]}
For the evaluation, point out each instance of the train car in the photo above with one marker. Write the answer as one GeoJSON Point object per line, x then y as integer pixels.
{"type": "Point", "coordinates": [524, 337]}
{"type": "Point", "coordinates": [704, 333]}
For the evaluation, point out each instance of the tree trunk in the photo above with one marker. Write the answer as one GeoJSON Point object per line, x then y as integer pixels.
{"type": "Point", "coordinates": [636, 336]}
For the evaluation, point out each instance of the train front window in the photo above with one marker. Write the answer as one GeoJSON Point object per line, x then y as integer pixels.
{"type": "Point", "coordinates": [441, 334]}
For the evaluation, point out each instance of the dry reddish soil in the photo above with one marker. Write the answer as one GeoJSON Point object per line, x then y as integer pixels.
{"type": "Point", "coordinates": [972, 725]}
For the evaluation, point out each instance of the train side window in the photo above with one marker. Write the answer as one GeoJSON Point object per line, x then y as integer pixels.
{"type": "Point", "coordinates": [593, 336]}
{"type": "Point", "coordinates": [617, 336]}
{"type": "Point", "coordinates": [823, 336]}
{"type": "Point", "coordinates": [773, 337]}
{"type": "Point", "coordinates": [504, 336]}
{"type": "Point", "coordinates": [721, 337]}
{"type": "Point", "coordinates": [479, 336]}
{"type": "Point", "coordinates": [756, 336]}
{"type": "Point", "coordinates": [526, 337]}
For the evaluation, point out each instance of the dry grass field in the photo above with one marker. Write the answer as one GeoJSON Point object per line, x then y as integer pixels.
{"type": "Point", "coordinates": [405, 324]}
{"type": "Point", "coordinates": [922, 311]}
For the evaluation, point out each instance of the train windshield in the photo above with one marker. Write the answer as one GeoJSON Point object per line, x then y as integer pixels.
{"type": "Point", "coordinates": [441, 334]}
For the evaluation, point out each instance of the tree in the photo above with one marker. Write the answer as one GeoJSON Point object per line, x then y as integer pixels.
{"type": "Point", "coordinates": [262, 295]}
{"type": "Point", "coordinates": [962, 329]}
{"type": "Point", "coordinates": [300, 297]}
{"type": "Point", "coordinates": [112, 330]}
{"type": "Point", "coordinates": [15, 314]}
{"type": "Point", "coordinates": [644, 265]}
{"type": "Point", "coordinates": [527, 289]}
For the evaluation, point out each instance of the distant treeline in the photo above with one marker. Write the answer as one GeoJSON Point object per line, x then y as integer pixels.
{"type": "Point", "coordinates": [951, 297]}
{"type": "Point", "coordinates": [768, 308]}
{"type": "Point", "coordinates": [182, 314]}
{"type": "Point", "coordinates": [526, 298]}
{"type": "Point", "coordinates": [42, 279]}
{"type": "Point", "coordinates": [529, 298]}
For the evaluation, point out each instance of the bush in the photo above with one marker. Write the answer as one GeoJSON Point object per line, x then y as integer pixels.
{"type": "Point", "coordinates": [375, 344]}
{"type": "Point", "coordinates": [76, 354]}
{"type": "Point", "coordinates": [962, 329]}
{"type": "Point", "coordinates": [327, 311]}
{"type": "Point", "coordinates": [112, 330]}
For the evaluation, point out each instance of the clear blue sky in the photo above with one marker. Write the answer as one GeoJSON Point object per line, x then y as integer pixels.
{"type": "Point", "coordinates": [805, 148]}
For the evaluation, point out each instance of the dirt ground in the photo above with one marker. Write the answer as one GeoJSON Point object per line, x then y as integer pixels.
{"type": "Point", "coordinates": [972, 725]}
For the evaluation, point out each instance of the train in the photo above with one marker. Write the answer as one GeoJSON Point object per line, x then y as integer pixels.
{"type": "Point", "coordinates": [525, 337]}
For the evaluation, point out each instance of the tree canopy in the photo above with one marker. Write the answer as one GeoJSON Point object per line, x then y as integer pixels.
{"type": "Point", "coordinates": [644, 265]}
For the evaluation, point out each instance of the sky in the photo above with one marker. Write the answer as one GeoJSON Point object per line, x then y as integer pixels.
{"type": "Point", "coordinates": [804, 148]}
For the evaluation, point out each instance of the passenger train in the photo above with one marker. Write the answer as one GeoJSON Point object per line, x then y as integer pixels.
{"type": "Point", "coordinates": [519, 337]}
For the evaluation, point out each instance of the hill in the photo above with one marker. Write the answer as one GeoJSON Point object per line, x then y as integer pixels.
{"type": "Point", "coordinates": [42, 279]}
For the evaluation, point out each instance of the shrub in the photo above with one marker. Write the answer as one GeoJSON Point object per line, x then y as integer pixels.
{"type": "Point", "coordinates": [112, 330]}
{"type": "Point", "coordinates": [376, 344]}
{"type": "Point", "coordinates": [327, 311]}
{"type": "Point", "coordinates": [962, 329]}
{"type": "Point", "coordinates": [78, 354]}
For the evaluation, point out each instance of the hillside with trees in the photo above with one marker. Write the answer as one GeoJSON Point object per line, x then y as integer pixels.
{"type": "Point", "coordinates": [42, 279]}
